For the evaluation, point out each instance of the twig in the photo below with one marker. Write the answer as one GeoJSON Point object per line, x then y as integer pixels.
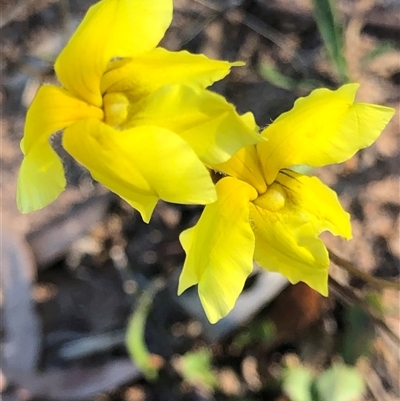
{"type": "Point", "coordinates": [368, 278]}
{"type": "Point", "coordinates": [13, 12]}
{"type": "Point", "coordinates": [373, 381]}
{"type": "Point", "coordinates": [261, 28]}
{"type": "Point", "coordinates": [196, 29]}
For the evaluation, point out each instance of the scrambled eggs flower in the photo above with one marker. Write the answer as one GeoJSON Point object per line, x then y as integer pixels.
{"type": "Point", "coordinates": [269, 212]}
{"type": "Point", "coordinates": [137, 116]}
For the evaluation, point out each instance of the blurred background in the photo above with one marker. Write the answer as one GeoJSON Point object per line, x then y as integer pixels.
{"type": "Point", "coordinates": [80, 272]}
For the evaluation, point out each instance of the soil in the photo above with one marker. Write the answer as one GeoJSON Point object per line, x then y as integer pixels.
{"type": "Point", "coordinates": [73, 273]}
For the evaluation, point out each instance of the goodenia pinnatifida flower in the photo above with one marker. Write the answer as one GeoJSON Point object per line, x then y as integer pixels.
{"type": "Point", "coordinates": [267, 211]}
{"type": "Point", "coordinates": [137, 116]}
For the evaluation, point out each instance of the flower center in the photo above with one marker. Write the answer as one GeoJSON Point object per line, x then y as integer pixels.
{"type": "Point", "coordinates": [116, 109]}
{"type": "Point", "coordinates": [273, 199]}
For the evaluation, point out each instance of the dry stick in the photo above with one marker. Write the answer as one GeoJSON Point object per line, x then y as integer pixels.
{"type": "Point", "coordinates": [355, 271]}
{"type": "Point", "coordinates": [261, 28]}
{"type": "Point", "coordinates": [196, 29]}
{"type": "Point", "coordinates": [65, 18]}
{"type": "Point", "coordinates": [267, 32]}
{"type": "Point", "coordinates": [13, 11]}
{"type": "Point", "coordinates": [347, 296]}
{"type": "Point", "coordinates": [373, 381]}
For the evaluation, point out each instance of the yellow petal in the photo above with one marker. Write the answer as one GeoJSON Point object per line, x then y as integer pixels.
{"type": "Point", "coordinates": [41, 178]}
{"type": "Point", "coordinates": [150, 71]}
{"type": "Point", "coordinates": [309, 195]}
{"type": "Point", "coordinates": [110, 29]}
{"type": "Point", "coordinates": [249, 119]}
{"type": "Point", "coordinates": [245, 166]}
{"type": "Point", "coordinates": [205, 120]}
{"type": "Point", "coordinates": [142, 164]}
{"type": "Point", "coordinates": [53, 109]}
{"type": "Point", "coordinates": [219, 249]}
{"type": "Point", "coordinates": [289, 246]}
{"type": "Point", "coordinates": [287, 221]}
{"type": "Point", "coordinates": [322, 128]}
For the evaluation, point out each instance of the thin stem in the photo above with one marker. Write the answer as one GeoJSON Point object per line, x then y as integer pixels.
{"type": "Point", "coordinates": [347, 296]}
{"type": "Point", "coordinates": [368, 278]}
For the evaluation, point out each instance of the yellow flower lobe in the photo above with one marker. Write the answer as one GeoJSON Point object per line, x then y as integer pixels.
{"type": "Point", "coordinates": [273, 199]}
{"type": "Point", "coordinates": [116, 109]}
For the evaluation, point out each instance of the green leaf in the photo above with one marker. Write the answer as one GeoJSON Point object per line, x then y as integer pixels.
{"type": "Point", "coordinates": [340, 383]}
{"type": "Point", "coordinates": [276, 78]}
{"type": "Point", "coordinates": [383, 47]}
{"type": "Point", "coordinates": [373, 299]}
{"type": "Point", "coordinates": [195, 368]}
{"type": "Point", "coordinates": [359, 335]}
{"type": "Point", "coordinates": [332, 35]}
{"type": "Point", "coordinates": [134, 339]}
{"type": "Point", "coordinates": [297, 382]}
{"type": "Point", "coordinates": [256, 332]}
{"type": "Point", "coordinates": [272, 75]}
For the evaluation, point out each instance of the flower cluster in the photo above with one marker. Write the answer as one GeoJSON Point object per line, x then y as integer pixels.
{"type": "Point", "coordinates": [137, 116]}
{"type": "Point", "coordinates": [267, 211]}
{"type": "Point", "coordinates": [141, 120]}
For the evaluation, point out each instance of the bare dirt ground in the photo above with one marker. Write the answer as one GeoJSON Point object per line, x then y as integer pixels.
{"type": "Point", "coordinates": [72, 273]}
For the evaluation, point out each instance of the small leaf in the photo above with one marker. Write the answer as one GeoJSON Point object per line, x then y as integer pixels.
{"type": "Point", "coordinates": [263, 332]}
{"type": "Point", "coordinates": [340, 383]}
{"type": "Point", "coordinates": [358, 335]}
{"type": "Point", "coordinates": [149, 364]}
{"type": "Point", "coordinates": [272, 75]}
{"type": "Point", "coordinates": [373, 299]}
{"type": "Point", "coordinates": [332, 35]}
{"type": "Point", "coordinates": [275, 77]}
{"type": "Point", "coordinates": [297, 382]}
{"type": "Point", "coordinates": [195, 368]}
{"type": "Point", "coordinates": [381, 48]}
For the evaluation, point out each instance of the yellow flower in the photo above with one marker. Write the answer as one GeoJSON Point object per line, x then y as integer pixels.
{"type": "Point", "coordinates": [137, 116]}
{"type": "Point", "coordinates": [273, 214]}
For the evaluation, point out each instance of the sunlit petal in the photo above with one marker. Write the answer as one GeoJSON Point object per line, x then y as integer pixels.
{"type": "Point", "coordinates": [309, 195]}
{"type": "Point", "coordinates": [150, 71]}
{"type": "Point", "coordinates": [245, 166]}
{"type": "Point", "coordinates": [287, 243]}
{"type": "Point", "coordinates": [322, 128]}
{"type": "Point", "coordinates": [205, 120]}
{"type": "Point", "coordinates": [220, 249]}
{"type": "Point", "coordinates": [141, 165]}
{"type": "Point", "coordinates": [287, 220]}
{"type": "Point", "coordinates": [110, 29]}
{"type": "Point", "coordinates": [53, 109]}
{"type": "Point", "coordinates": [41, 178]}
